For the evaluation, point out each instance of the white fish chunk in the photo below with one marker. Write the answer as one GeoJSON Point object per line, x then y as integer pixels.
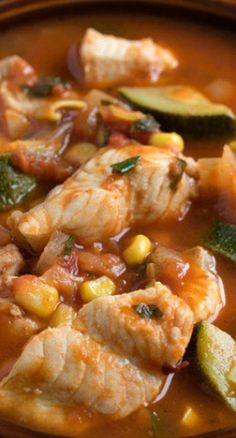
{"type": "Point", "coordinates": [218, 180]}
{"type": "Point", "coordinates": [16, 69]}
{"type": "Point", "coordinates": [143, 195]}
{"type": "Point", "coordinates": [194, 278]}
{"type": "Point", "coordinates": [65, 368]}
{"type": "Point", "coordinates": [108, 60]}
{"type": "Point", "coordinates": [162, 340]}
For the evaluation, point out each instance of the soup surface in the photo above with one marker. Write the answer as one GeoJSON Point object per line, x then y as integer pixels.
{"type": "Point", "coordinates": [206, 61]}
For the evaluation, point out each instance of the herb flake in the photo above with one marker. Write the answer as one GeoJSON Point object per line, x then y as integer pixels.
{"type": "Point", "coordinates": [155, 424]}
{"type": "Point", "coordinates": [103, 135]}
{"type": "Point", "coordinates": [125, 166]}
{"type": "Point", "coordinates": [44, 86]}
{"type": "Point", "coordinates": [159, 429]}
{"type": "Point", "coordinates": [148, 311]}
{"type": "Point", "coordinates": [146, 124]}
{"type": "Point", "coordinates": [69, 244]}
{"type": "Point", "coordinates": [180, 166]}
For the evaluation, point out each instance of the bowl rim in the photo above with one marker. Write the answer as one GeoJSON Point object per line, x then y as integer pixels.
{"type": "Point", "coordinates": [215, 8]}
{"type": "Point", "coordinates": [221, 9]}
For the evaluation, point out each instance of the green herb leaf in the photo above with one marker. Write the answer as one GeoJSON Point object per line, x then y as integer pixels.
{"type": "Point", "coordinates": [103, 135]}
{"type": "Point", "coordinates": [155, 424]}
{"type": "Point", "coordinates": [14, 185]}
{"type": "Point", "coordinates": [69, 244]}
{"type": "Point", "coordinates": [158, 427]}
{"type": "Point", "coordinates": [180, 166]}
{"type": "Point", "coordinates": [126, 165]}
{"type": "Point", "coordinates": [148, 311]}
{"type": "Point", "coordinates": [44, 86]}
{"type": "Point", "coordinates": [222, 239]}
{"type": "Point", "coordinates": [147, 124]}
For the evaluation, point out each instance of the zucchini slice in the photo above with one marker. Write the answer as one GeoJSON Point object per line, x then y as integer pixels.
{"type": "Point", "coordinates": [182, 109]}
{"type": "Point", "coordinates": [15, 186]}
{"type": "Point", "coordinates": [216, 361]}
{"type": "Point", "coordinates": [222, 239]}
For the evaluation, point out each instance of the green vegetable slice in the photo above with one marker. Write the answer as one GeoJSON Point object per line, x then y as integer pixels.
{"type": "Point", "coordinates": [14, 185]}
{"type": "Point", "coordinates": [222, 239]}
{"type": "Point", "coordinates": [126, 165]}
{"type": "Point", "coordinates": [182, 109]}
{"type": "Point", "coordinates": [216, 358]}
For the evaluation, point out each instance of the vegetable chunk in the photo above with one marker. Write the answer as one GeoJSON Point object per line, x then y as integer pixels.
{"type": "Point", "coordinates": [216, 356]}
{"type": "Point", "coordinates": [222, 239]}
{"type": "Point", "coordinates": [14, 185]}
{"type": "Point", "coordinates": [182, 109]}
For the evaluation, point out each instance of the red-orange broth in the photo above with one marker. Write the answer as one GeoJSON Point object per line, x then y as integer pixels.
{"type": "Point", "coordinates": [205, 53]}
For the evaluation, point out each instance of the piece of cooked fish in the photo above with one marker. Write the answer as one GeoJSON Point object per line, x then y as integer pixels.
{"type": "Point", "coordinates": [118, 322]}
{"type": "Point", "coordinates": [218, 181]}
{"type": "Point", "coordinates": [95, 204]}
{"type": "Point", "coordinates": [16, 69]}
{"type": "Point", "coordinates": [108, 60]}
{"type": "Point", "coordinates": [192, 275]}
{"type": "Point", "coordinates": [102, 362]}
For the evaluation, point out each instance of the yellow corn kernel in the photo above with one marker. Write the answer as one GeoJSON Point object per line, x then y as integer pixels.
{"type": "Point", "coordinates": [91, 289]}
{"type": "Point", "coordinates": [34, 295]}
{"type": "Point", "coordinates": [167, 140]}
{"type": "Point", "coordinates": [190, 418]}
{"type": "Point", "coordinates": [62, 315]}
{"type": "Point", "coordinates": [138, 249]}
{"type": "Point", "coordinates": [80, 153]}
{"type": "Point", "coordinates": [231, 376]}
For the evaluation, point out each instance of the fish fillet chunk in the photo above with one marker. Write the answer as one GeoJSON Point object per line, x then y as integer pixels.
{"type": "Point", "coordinates": [95, 204]}
{"type": "Point", "coordinates": [162, 340]}
{"type": "Point", "coordinates": [218, 181]}
{"type": "Point", "coordinates": [108, 60]}
{"type": "Point", "coordinates": [65, 368]}
{"type": "Point", "coordinates": [200, 286]}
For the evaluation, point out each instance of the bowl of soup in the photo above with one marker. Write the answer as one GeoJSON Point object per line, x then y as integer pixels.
{"type": "Point", "coordinates": [117, 219]}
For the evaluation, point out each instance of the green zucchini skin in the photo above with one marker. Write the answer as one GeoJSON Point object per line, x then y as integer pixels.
{"type": "Point", "coordinates": [215, 352]}
{"type": "Point", "coordinates": [193, 116]}
{"type": "Point", "coordinates": [222, 240]}
{"type": "Point", "coordinates": [15, 186]}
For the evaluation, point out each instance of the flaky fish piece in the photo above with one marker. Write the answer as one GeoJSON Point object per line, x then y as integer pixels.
{"type": "Point", "coordinates": [218, 181]}
{"type": "Point", "coordinates": [96, 203]}
{"type": "Point", "coordinates": [65, 368]}
{"type": "Point", "coordinates": [108, 60]}
{"type": "Point", "coordinates": [122, 322]}
{"type": "Point", "coordinates": [16, 69]}
{"type": "Point", "coordinates": [192, 275]}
